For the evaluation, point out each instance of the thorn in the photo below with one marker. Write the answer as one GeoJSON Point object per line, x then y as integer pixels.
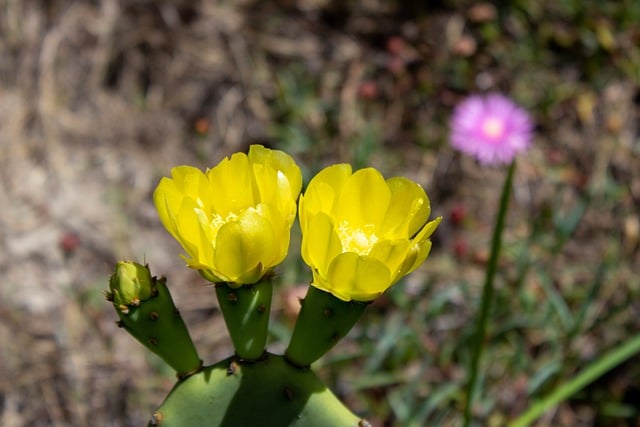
{"type": "Point", "coordinates": [327, 312]}
{"type": "Point", "coordinates": [288, 393]}
{"type": "Point", "coordinates": [176, 312]}
{"type": "Point", "coordinates": [154, 315]}
{"type": "Point", "coordinates": [120, 323]}
{"type": "Point", "coordinates": [335, 337]}
{"type": "Point", "coordinates": [364, 423]}
{"type": "Point", "coordinates": [232, 297]}
{"type": "Point", "coordinates": [153, 341]}
{"type": "Point", "coordinates": [232, 368]}
{"type": "Point", "coordinates": [182, 376]}
{"type": "Point", "coordinates": [261, 309]}
{"type": "Point", "coordinates": [156, 418]}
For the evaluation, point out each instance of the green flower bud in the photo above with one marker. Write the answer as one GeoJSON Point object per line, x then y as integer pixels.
{"type": "Point", "coordinates": [130, 284]}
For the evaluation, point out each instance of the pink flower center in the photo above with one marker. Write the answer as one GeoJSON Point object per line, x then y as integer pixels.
{"type": "Point", "coordinates": [493, 128]}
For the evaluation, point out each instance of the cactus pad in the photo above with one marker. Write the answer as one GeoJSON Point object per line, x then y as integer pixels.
{"type": "Point", "coordinates": [267, 393]}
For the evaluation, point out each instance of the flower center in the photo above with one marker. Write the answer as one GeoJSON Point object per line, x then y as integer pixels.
{"type": "Point", "coordinates": [358, 240]}
{"type": "Point", "coordinates": [493, 127]}
{"type": "Point", "coordinates": [218, 221]}
{"type": "Point", "coordinates": [212, 222]}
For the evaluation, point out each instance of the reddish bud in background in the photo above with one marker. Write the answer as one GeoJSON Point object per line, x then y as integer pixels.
{"type": "Point", "coordinates": [460, 248]}
{"type": "Point", "coordinates": [202, 126]}
{"type": "Point", "coordinates": [457, 214]}
{"type": "Point", "coordinates": [368, 90]}
{"type": "Point", "coordinates": [395, 45]}
{"type": "Point", "coordinates": [69, 242]}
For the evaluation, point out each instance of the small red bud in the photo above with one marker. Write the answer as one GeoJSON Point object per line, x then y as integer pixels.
{"type": "Point", "coordinates": [69, 242]}
{"type": "Point", "coordinates": [457, 214]}
{"type": "Point", "coordinates": [202, 126]}
{"type": "Point", "coordinates": [395, 45]}
{"type": "Point", "coordinates": [460, 248]}
{"type": "Point", "coordinates": [368, 90]}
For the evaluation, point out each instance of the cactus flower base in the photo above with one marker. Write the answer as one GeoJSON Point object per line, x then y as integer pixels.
{"type": "Point", "coordinates": [267, 392]}
{"type": "Point", "coordinates": [246, 313]}
{"type": "Point", "coordinates": [329, 318]}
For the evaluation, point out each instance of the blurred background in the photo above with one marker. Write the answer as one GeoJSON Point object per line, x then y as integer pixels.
{"type": "Point", "coordinates": [99, 99]}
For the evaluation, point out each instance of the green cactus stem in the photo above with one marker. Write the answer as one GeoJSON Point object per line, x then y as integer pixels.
{"type": "Point", "coordinates": [246, 313]}
{"type": "Point", "coordinates": [267, 393]}
{"type": "Point", "coordinates": [322, 322]}
{"type": "Point", "coordinates": [146, 310]}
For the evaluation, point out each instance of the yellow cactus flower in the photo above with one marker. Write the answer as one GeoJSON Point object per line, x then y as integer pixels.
{"type": "Point", "coordinates": [360, 233]}
{"type": "Point", "coordinates": [234, 220]}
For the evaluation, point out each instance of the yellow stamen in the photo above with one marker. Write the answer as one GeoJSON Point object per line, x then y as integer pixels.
{"type": "Point", "coordinates": [358, 240]}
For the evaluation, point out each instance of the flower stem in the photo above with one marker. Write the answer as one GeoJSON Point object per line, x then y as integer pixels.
{"type": "Point", "coordinates": [246, 313]}
{"type": "Point", "coordinates": [588, 375]}
{"type": "Point", "coordinates": [487, 294]}
{"type": "Point", "coordinates": [322, 322]}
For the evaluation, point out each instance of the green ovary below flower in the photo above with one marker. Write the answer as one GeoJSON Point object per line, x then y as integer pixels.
{"type": "Point", "coordinates": [233, 220]}
{"type": "Point", "coordinates": [362, 233]}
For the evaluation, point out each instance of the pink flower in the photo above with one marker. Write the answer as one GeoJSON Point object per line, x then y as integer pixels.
{"type": "Point", "coordinates": [492, 128]}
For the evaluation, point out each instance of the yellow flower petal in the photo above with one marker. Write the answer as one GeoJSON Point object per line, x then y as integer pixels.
{"type": "Point", "coordinates": [392, 253]}
{"type": "Point", "coordinates": [211, 276]}
{"type": "Point", "coordinates": [324, 189]}
{"type": "Point", "coordinates": [352, 276]}
{"type": "Point", "coordinates": [427, 230]}
{"type": "Point", "coordinates": [191, 235]}
{"type": "Point", "coordinates": [408, 209]}
{"type": "Point", "coordinates": [280, 162]}
{"type": "Point", "coordinates": [320, 243]}
{"type": "Point", "coordinates": [273, 186]}
{"type": "Point", "coordinates": [165, 191]}
{"type": "Point", "coordinates": [421, 247]}
{"type": "Point", "coordinates": [281, 226]}
{"type": "Point", "coordinates": [334, 176]}
{"type": "Point", "coordinates": [425, 250]}
{"type": "Point", "coordinates": [243, 245]}
{"type": "Point", "coordinates": [234, 188]}
{"type": "Point", "coordinates": [192, 183]}
{"type": "Point", "coordinates": [363, 200]}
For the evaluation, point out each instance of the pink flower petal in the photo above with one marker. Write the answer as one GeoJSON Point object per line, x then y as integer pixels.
{"type": "Point", "coordinates": [491, 128]}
